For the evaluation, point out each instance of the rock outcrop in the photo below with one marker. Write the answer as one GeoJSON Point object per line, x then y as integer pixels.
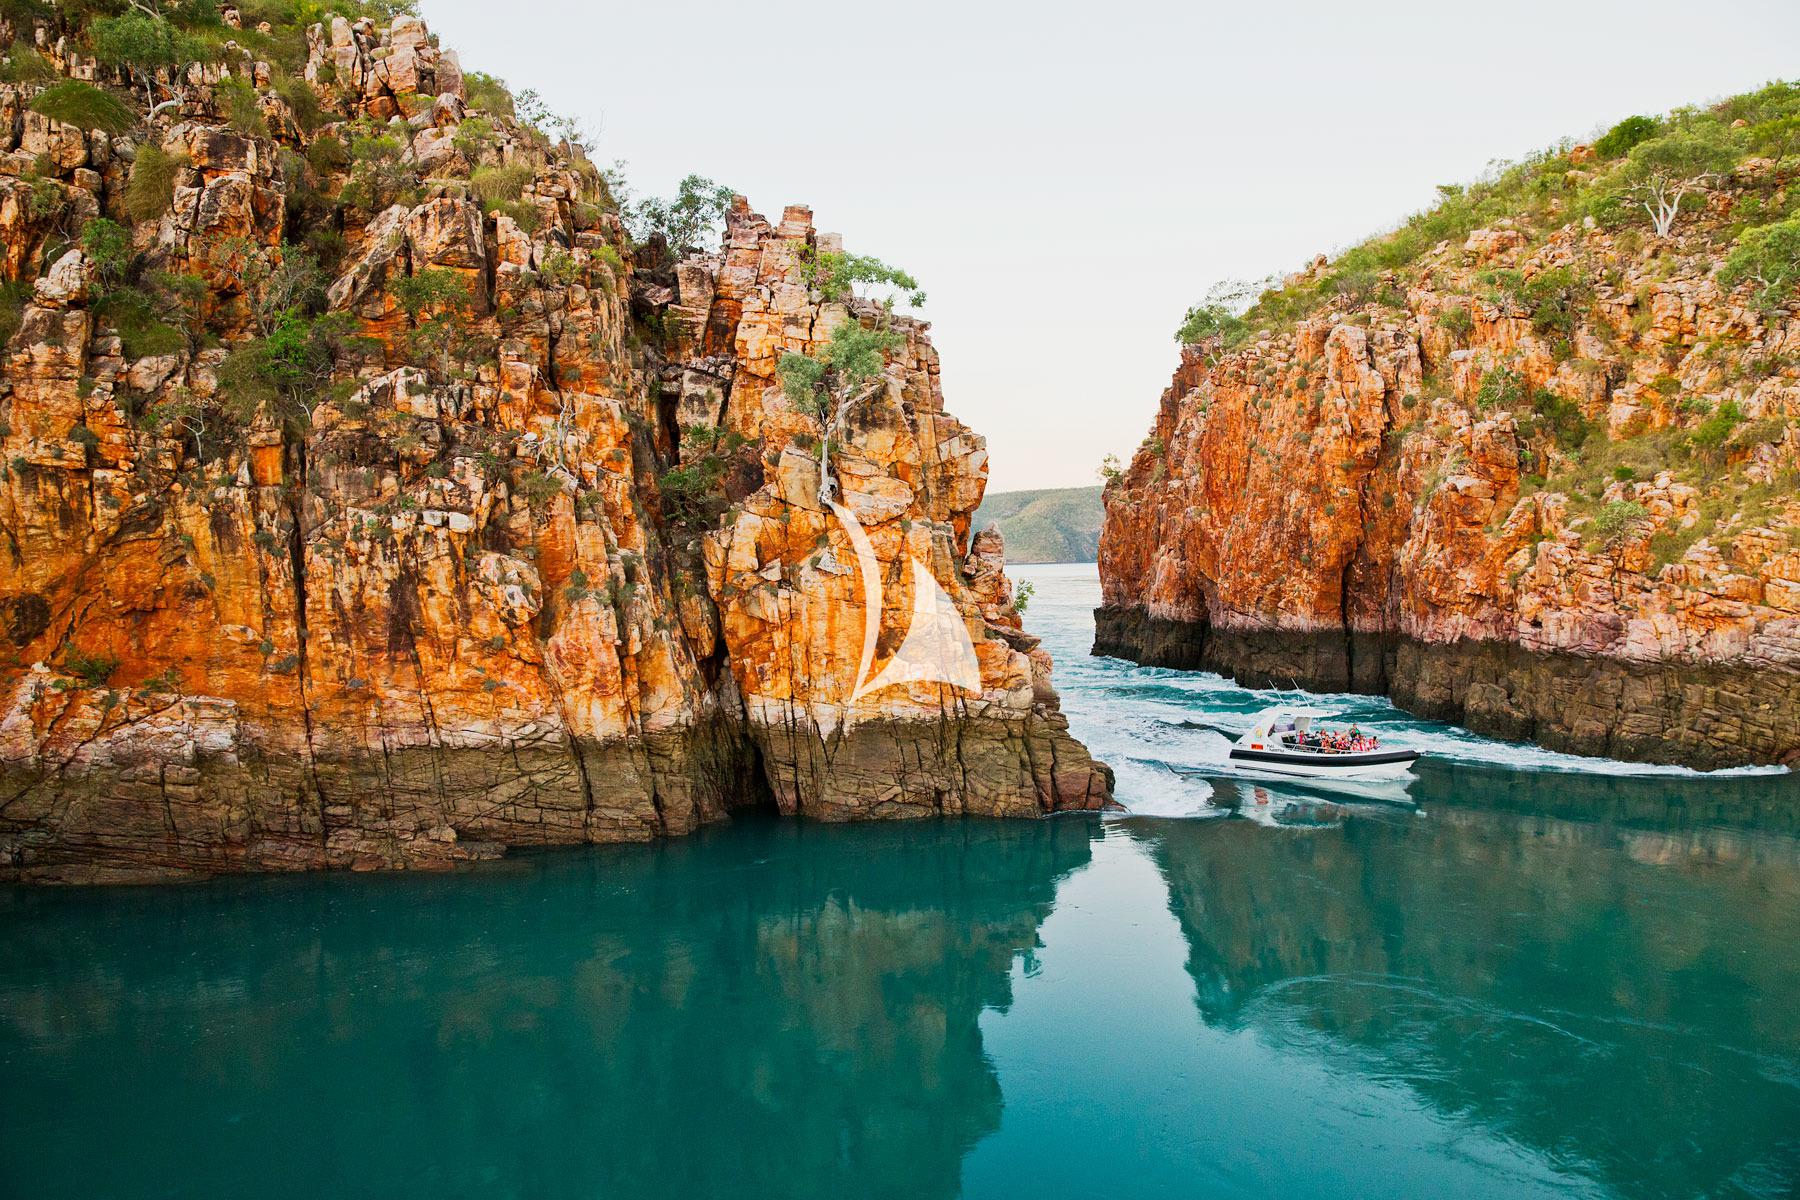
{"type": "Point", "coordinates": [380, 503]}
{"type": "Point", "coordinates": [791, 580]}
{"type": "Point", "coordinates": [1539, 479]}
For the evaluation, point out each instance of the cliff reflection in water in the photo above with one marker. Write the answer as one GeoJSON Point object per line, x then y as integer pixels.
{"type": "Point", "coordinates": [1612, 987]}
{"type": "Point", "coordinates": [1545, 986]}
{"type": "Point", "coordinates": [773, 1010]}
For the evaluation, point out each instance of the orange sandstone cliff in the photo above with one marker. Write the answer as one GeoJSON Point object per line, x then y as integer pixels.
{"type": "Point", "coordinates": [376, 502]}
{"type": "Point", "coordinates": [1528, 463]}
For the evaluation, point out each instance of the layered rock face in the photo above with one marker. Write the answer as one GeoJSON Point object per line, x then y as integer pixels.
{"type": "Point", "coordinates": [1543, 483]}
{"type": "Point", "coordinates": [792, 579]}
{"type": "Point", "coordinates": [400, 560]}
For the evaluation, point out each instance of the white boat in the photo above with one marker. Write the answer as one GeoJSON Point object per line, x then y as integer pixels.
{"type": "Point", "coordinates": [1383, 791]}
{"type": "Point", "coordinates": [1286, 741]}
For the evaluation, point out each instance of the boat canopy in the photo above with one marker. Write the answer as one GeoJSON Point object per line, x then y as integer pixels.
{"type": "Point", "coordinates": [1276, 721]}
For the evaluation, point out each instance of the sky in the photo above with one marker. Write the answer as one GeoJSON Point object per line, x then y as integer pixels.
{"type": "Point", "coordinates": [1065, 179]}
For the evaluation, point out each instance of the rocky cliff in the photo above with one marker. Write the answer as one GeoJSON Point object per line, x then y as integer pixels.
{"type": "Point", "coordinates": [372, 499]}
{"type": "Point", "coordinates": [1528, 463]}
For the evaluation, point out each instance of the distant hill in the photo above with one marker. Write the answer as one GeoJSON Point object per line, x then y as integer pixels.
{"type": "Point", "coordinates": [1052, 525]}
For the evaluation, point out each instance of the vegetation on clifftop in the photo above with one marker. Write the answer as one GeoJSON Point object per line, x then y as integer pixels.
{"type": "Point", "coordinates": [1644, 175]}
{"type": "Point", "coordinates": [1553, 292]}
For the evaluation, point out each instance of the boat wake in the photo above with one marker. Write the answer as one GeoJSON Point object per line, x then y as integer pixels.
{"type": "Point", "coordinates": [1453, 743]}
{"type": "Point", "coordinates": [1168, 734]}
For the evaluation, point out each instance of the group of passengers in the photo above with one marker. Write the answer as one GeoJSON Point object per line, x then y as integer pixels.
{"type": "Point", "coordinates": [1349, 741]}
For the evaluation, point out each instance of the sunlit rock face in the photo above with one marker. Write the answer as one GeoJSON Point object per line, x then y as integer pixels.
{"type": "Point", "coordinates": [442, 602]}
{"type": "Point", "coordinates": [1387, 497]}
{"type": "Point", "coordinates": [811, 603]}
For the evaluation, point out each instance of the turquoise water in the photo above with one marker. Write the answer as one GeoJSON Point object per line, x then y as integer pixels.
{"type": "Point", "coordinates": [1527, 976]}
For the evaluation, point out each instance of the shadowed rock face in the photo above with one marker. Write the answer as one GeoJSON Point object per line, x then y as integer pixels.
{"type": "Point", "coordinates": [450, 600]}
{"type": "Point", "coordinates": [1394, 497]}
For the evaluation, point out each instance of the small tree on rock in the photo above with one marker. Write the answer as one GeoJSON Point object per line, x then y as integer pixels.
{"type": "Point", "coordinates": [1619, 524]}
{"type": "Point", "coordinates": [692, 217]}
{"type": "Point", "coordinates": [1770, 256]}
{"type": "Point", "coordinates": [1668, 170]}
{"type": "Point", "coordinates": [1218, 319]}
{"type": "Point", "coordinates": [1777, 139]}
{"type": "Point", "coordinates": [835, 275]}
{"type": "Point", "coordinates": [846, 371]}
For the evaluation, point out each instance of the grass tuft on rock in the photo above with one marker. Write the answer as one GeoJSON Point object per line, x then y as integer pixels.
{"type": "Point", "coordinates": [152, 183]}
{"type": "Point", "coordinates": [85, 106]}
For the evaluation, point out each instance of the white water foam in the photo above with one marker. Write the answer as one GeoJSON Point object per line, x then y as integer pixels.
{"type": "Point", "coordinates": [1397, 728]}
{"type": "Point", "coordinates": [1145, 720]}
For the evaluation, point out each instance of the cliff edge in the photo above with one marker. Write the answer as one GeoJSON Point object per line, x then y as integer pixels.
{"type": "Point", "coordinates": [372, 499]}
{"type": "Point", "coordinates": [1528, 463]}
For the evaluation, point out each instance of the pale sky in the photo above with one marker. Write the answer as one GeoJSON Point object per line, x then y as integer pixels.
{"type": "Point", "coordinates": [1066, 179]}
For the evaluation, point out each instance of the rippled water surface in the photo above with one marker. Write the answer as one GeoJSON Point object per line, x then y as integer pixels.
{"type": "Point", "coordinates": [1526, 975]}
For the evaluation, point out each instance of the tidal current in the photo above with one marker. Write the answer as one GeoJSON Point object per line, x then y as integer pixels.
{"type": "Point", "coordinates": [1527, 974]}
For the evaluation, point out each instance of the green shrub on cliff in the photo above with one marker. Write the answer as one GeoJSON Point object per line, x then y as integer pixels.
{"type": "Point", "coordinates": [1711, 434]}
{"type": "Point", "coordinates": [692, 216]}
{"type": "Point", "coordinates": [1620, 521]}
{"type": "Point", "coordinates": [1556, 300]}
{"type": "Point", "coordinates": [488, 94]}
{"type": "Point", "coordinates": [1568, 427]}
{"type": "Point", "coordinates": [107, 247]}
{"type": "Point", "coordinates": [1203, 321]}
{"type": "Point", "coordinates": [1618, 141]}
{"type": "Point", "coordinates": [377, 176]}
{"type": "Point", "coordinates": [1768, 256]}
{"type": "Point", "coordinates": [851, 360]}
{"type": "Point", "coordinates": [138, 41]}
{"type": "Point", "coordinates": [1457, 322]}
{"type": "Point", "coordinates": [437, 301]}
{"type": "Point", "coordinates": [1771, 101]}
{"type": "Point", "coordinates": [13, 295]}
{"type": "Point", "coordinates": [153, 314]}
{"type": "Point", "coordinates": [835, 275]}
{"type": "Point", "coordinates": [242, 107]}
{"type": "Point", "coordinates": [300, 98]}
{"type": "Point", "coordinates": [140, 317]}
{"type": "Point", "coordinates": [287, 372]}
{"type": "Point", "coordinates": [691, 493]}
{"type": "Point", "coordinates": [495, 186]}
{"type": "Point", "coordinates": [1669, 175]}
{"type": "Point", "coordinates": [473, 137]}
{"type": "Point", "coordinates": [432, 290]}
{"type": "Point", "coordinates": [1500, 388]}
{"type": "Point", "coordinates": [1776, 138]}
{"type": "Point", "coordinates": [92, 669]}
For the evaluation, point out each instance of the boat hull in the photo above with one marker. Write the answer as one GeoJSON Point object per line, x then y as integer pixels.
{"type": "Point", "coordinates": [1379, 764]}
